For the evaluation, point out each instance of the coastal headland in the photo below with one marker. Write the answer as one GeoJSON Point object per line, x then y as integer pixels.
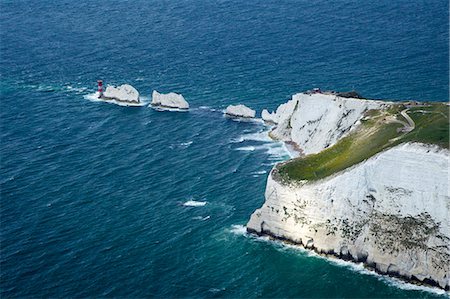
{"type": "Point", "coordinates": [371, 184]}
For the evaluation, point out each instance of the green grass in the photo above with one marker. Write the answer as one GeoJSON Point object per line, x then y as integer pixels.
{"type": "Point", "coordinates": [431, 127]}
{"type": "Point", "coordinates": [374, 136]}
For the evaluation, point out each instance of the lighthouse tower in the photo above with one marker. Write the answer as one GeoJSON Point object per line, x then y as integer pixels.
{"type": "Point", "coordinates": [100, 88]}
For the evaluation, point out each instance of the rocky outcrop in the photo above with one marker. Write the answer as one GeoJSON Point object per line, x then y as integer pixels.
{"type": "Point", "coordinates": [317, 121]}
{"type": "Point", "coordinates": [240, 111]}
{"type": "Point", "coordinates": [122, 93]}
{"type": "Point", "coordinates": [170, 100]}
{"type": "Point", "coordinates": [268, 116]}
{"type": "Point", "coordinates": [391, 212]}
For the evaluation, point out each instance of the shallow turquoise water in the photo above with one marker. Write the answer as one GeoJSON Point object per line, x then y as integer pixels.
{"type": "Point", "coordinates": [92, 194]}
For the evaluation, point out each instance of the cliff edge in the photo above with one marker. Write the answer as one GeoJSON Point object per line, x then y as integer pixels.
{"type": "Point", "coordinates": [376, 192]}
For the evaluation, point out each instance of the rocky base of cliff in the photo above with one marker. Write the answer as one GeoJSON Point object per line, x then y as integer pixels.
{"type": "Point", "coordinates": [349, 257]}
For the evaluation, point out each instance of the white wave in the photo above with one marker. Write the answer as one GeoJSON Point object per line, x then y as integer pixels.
{"type": "Point", "coordinates": [256, 174]}
{"type": "Point", "coordinates": [262, 136]}
{"type": "Point", "coordinates": [182, 145]}
{"type": "Point", "coordinates": [357, 267]}
{"type": "Point", "coordinates": [238, 229]}
{"type": "Point", "coordinates": [163, 109]}
{"type": "Point", "coordinates": [258, 136]}
{"type": "Point", "coordinates": [186, 144]}
{"type": "Point", "coordinates": [216, 290]}
{"type": "Point", "coordinates": [201, 218]}
{"type": "Point", "coordinates": [76, 89]}
{"type": "Point", "coordinates": [193, 203]}
{"type": "Point", "coordinates": [260, 172]}
{"type": "Point", "coordinates": [246, 148]}
{"type": "Point", "coordinates": [206, 108]}
{"type": "Point", "coordinates": [145, 99]}
{"type": "Point", "coordinates": [139, 79]}
{"type": "Point", "coordinates": [246, 120]}
{"type": "Point", "coordinates": [276, 151]}
{"type": "Point", "coordinates": [44, 87]}
{"type": "Point", "coordinates": [237, 140]}
{"type": "Point", "coordinates": [94, 98]}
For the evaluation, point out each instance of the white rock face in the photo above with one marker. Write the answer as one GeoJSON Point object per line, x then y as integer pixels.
{"type": "Point", "coordinates": [391, 211]}
{"type": "Point", "coordinates": [169, 100]}
{"type": "Point", "coordinates": [268, 117]}
{"type": "Point", "coordinates": [317, 121]}
{"type": "Point", "coordinates": [123, 93]}
{"type": "Point", "coordinates": [240, 111]}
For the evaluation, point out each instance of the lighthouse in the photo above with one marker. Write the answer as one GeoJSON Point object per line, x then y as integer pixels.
{"type": "Point", "coordinates": [100, 88]}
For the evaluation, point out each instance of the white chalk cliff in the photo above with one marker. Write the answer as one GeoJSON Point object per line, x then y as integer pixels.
{"type": "Point", "coordinates": [240, 111]}
{"type": "Point", "coordinates": [317, 121]}
{"type": "Point", "coordinates": [123, 93]}
{"type": "Point", "coordinates": [169, 100]}
{"type": "Point", "coordinates": [391, 212]}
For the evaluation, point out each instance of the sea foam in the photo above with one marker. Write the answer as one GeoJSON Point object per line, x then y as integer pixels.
{"type": "Point", "coordinates": [193, 203]}
{"type": "Point", "coordinates": [93, 97]}
{"type": "Point", "coordinates": [201, 218]}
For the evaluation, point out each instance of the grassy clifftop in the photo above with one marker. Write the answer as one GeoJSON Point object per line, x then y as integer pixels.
{"type": "Point", "coordinates": [380, 130]}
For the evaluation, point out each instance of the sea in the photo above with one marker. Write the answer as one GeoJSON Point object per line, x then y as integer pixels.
{"type": "Point", "coordinates": [101, 200]}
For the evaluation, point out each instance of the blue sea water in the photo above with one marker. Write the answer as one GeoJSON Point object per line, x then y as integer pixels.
{"type": "Point", "coordinates": [93, 195]}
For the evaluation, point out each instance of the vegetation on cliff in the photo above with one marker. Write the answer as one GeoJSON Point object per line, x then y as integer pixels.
{"type": "Point", "coordinates": [379, 130]}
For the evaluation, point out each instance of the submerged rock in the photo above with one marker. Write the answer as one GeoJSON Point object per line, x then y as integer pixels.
{"type": "Point", "coordinates": [169, 100]}
{"type": "Point", "coordinates": [240, 111]}
{"type": "Point", "coordinates": [122, 93]}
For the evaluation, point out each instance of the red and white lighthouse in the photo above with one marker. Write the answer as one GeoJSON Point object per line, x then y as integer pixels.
{"type": "Point", "coordinates": [100, 88]}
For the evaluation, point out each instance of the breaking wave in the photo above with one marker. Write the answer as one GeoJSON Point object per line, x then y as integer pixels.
{"type": "Point", "coordinates": [76, 89]}
{"type": "Point", "coordinates": [246, 148]}
{"type": "Point", "coordinates": [183, 145]}
{"type": "Point", "coordinates": [186, 144]}
{"type": "Point", "coordinates": [206, 108]}
{"type": "Point", "coordinates": [93, 97]}
{"type": "Point", "coordinates": [164, 109]}
{"type": "Point", "coordinates": [262, 136]}
{"type": "Point", "coordinates": [238, 229]}
{"type": "Point", "coordinates": [193, 203]}
{"type": "Point", "coordinates": [276, 151]}
{"type": "Point", "coordinates": [201, 218]}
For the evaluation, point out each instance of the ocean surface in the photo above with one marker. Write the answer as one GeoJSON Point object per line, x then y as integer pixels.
{"type": "Point", "coordinates": [100, 200]}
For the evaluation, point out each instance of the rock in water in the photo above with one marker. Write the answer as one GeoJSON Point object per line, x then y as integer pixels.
{"type": "Point", "coordinates": [169, 100]}
{"type": "Point", "coordinates": [269, 117]}
{"type": "Point", "coordinates": [240, 111]}
{"type": "Point", "coordinates": [122, 93]}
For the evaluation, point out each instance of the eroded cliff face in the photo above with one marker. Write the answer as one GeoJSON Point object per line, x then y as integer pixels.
{"type": "Point", "coordinates": [317, 121]}
{"type": "Point", "coordinates": [391, 211]}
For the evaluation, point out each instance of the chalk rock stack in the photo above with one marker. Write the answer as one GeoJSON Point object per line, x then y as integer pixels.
{"type": "Point", "coordinates": [240, 111]}
{"type": "Point", "coordinates": [170, 100]}
{"type": "Point", "coordinates": [122, 93]}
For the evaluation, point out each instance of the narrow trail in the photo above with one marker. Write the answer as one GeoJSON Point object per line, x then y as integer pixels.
{"type": "Point", "coordinates": [407, 126]}
{"type": "Point", "coordinates": [411, 125]}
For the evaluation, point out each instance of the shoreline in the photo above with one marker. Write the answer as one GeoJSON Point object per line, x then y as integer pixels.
{"type": "Point", "coordinates": [348, 258]}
